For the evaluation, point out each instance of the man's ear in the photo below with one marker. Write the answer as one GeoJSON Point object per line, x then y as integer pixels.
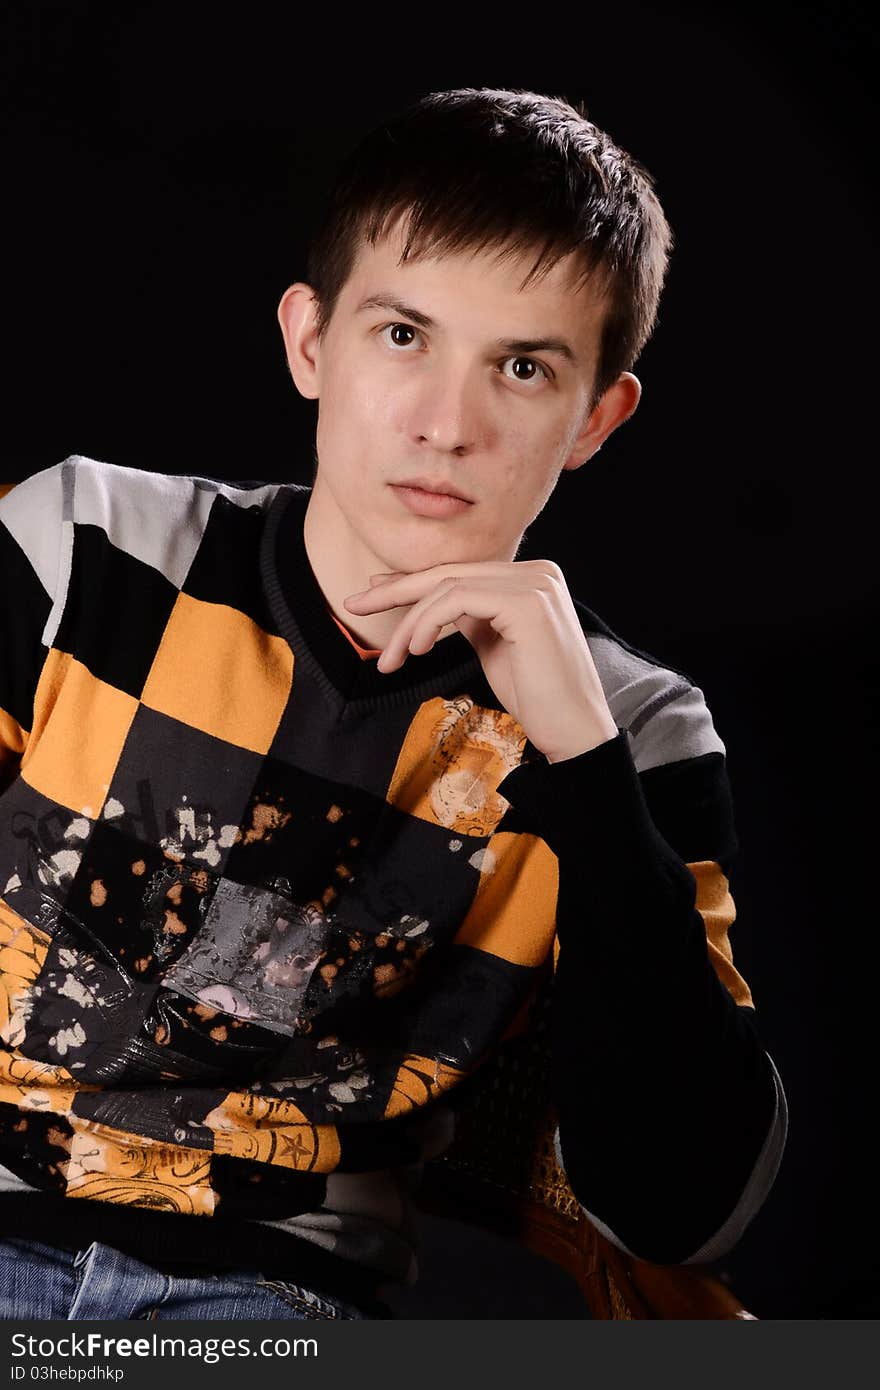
{"type": "Point", "coordinates": [296, 315]}
{"type": "Point", "coordinates": [616, 405]}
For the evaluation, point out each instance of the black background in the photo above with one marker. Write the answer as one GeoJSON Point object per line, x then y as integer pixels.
{"type": "Point", "coordinates": [160, 166]}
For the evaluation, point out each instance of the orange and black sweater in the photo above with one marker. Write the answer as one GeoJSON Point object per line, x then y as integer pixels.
{"type": "Point", "coordinates": [263, 908]}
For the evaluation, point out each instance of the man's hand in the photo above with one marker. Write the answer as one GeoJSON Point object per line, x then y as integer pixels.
{"type": "Point", "coordinates": [519, 617]}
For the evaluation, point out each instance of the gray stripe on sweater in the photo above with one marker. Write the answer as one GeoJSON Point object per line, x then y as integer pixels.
{"type": "Point", "coordinates": [11, 1182]}
{"type": "Point", "coordinates": [666, 717]}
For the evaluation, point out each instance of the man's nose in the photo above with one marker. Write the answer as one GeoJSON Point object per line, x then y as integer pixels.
{"type": "Point", "coordinates": [450, 413]}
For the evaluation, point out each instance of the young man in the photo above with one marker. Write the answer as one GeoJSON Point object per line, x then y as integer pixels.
{"type": "Point", "coordinates": [308, 788]}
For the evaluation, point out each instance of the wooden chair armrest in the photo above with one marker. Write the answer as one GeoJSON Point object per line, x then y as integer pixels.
{"type": "Point", "coordinates": [614, 1285]}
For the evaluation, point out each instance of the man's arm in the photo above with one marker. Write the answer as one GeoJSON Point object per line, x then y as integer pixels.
{"type": "Point", "coordinates": [30, 527]}
{"type": "Point", "coordinates": [672, 1118]}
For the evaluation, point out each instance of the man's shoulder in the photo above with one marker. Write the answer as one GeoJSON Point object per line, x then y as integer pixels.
{"type": "Point", "coordinates": [93, 481]}
{"type": "Point", "coordinates": [662, 708]}
{"type": "Point", "coordinates": [102, 510]}
{"type": "Point", "coordinates": [80, 484]}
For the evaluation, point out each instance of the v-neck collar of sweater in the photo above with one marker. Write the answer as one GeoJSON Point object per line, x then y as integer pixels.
{"type": "Point", "coordinates": [305, 619]}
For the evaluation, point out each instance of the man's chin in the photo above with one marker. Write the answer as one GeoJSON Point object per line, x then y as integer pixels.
{"type": "Point", "coordinates": [425, 557]}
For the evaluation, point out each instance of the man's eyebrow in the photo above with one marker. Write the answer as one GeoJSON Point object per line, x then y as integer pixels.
{"type": "Point", "coordinates": [406, 311]}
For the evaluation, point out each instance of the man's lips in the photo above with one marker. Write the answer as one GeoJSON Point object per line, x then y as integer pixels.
{"type": "Point", "coordinates": [422, 502]}
{"type": "Point", "coordinates": [433, 485]}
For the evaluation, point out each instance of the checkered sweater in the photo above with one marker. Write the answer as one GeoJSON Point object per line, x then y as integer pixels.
{"type": "Point", "coordinates": [263, 908]}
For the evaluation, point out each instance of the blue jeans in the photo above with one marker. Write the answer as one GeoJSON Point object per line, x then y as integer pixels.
{"type": "Point", "coordinates": [99, 1282]}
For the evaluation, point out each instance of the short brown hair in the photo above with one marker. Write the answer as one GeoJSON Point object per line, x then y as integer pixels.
{"type": "Point", "coordinates": [476, 168]}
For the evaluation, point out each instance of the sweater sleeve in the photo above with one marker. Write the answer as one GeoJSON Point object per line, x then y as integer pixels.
{"type": "Point", "coordinates": [672, 1116]}
{"type": "Point", "coordinates": [31, 544]}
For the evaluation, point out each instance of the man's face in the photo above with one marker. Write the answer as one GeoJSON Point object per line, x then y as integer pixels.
{"type": "Point", "coordinates": [447, 403]}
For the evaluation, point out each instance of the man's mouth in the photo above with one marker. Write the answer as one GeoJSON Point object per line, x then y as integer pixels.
{"type": "Point", "coordinates": [423, 501]}
{"type": "Point", "coordinates": [435, 486]}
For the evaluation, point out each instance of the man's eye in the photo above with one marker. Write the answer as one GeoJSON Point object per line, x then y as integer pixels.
{"type": "Point", "coordinates": [532, 363]}
{"type": "Point", "coordinates": [408, 328]}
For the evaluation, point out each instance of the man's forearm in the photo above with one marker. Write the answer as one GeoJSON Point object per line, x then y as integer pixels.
{"type": "Point", "coordinates": [664, 1091]}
